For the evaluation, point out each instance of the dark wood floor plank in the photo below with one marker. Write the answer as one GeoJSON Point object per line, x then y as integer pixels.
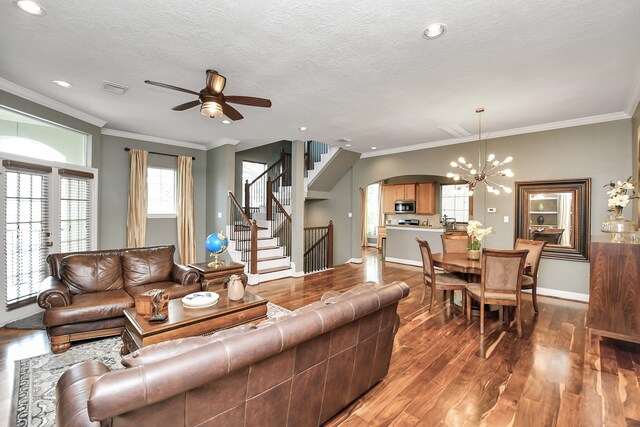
{"type": "Point", "coordinates": [443, 372]}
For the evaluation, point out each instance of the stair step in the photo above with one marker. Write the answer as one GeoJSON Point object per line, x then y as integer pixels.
{"type": "Point", "coordinates": [246, 227]}
{"type": "Point", "coordinates": [273, 270]}
{"type": "Point", "coordinates": [266, 248]}
{"type": "Point", "coordinates": [259, 238]}
{"type": "Point", "coordinates": [271, 258]}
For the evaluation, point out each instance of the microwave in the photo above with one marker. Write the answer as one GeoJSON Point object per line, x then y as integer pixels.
{"type": "Point", "coordinates": [405, 206]}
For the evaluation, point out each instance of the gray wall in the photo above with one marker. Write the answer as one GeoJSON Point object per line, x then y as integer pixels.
{"type": "Point", "coordinates": [336, 208]}
{"type": "Point", "coordinates": [220, 180]}
{"type": "Point", "coordinates": [267, 154]}
{"type": "Point", "coordinates": [114, 186]}
{"type": "Point", "coordinates": [600, 151]}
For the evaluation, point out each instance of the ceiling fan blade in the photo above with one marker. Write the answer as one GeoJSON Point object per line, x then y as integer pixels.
{"type": "Point", "coordinates": [186, 105]}
{"type": "Point", "coordinates": [248, 100]}
{"type": "Point", "coordinates": [215, 82]}
{"type": "Point", "coordinates": [231, 112]}
{"type": "Point", "coordinates": [166, 86]}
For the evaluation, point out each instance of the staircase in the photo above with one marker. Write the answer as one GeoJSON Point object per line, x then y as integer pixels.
{"type": "Point", "coordinates": [272, 262]}
{"type": "Point", "coordinates": [264, 216]}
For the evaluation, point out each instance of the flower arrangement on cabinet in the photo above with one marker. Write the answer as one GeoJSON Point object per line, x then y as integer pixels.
{"type": "Point", "coordinates": [477, 233]}
{"type": "Point", "coordinates": [620, 194]}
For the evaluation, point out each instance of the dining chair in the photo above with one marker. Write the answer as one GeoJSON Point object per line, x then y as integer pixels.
{"type": "Point", "coordinates": [437, 280]}
{"type": "Point", "coordinates": [500, 284]}
{"type": "Point", "coordinates": [530, 278]}
{"type": "Point", "coordinates": [454, 242]}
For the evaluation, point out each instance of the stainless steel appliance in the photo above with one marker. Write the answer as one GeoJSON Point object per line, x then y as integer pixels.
{"type": "Point", "coordinates": [408, 222]}
{"type": "Point", "coordinates": [405, 206]}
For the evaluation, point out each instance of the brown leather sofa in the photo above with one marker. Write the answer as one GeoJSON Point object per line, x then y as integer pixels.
{"type": "Point", "coordinates": [299, 370]}
{"type": "Point", "coordinates": [87, 292]}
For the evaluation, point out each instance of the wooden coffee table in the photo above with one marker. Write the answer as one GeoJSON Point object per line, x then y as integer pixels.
{"type": "Point", "coordinates": [188, 322]}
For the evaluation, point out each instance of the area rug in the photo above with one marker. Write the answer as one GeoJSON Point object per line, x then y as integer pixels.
{"type": "Point", "coordinates": [35, 378]}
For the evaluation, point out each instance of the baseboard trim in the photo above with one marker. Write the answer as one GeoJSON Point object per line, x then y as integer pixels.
{"type": "Point", "coordinates": [403, 261]}
{"type": "Point", "coordinates": [355, 261]}
{"type": "Point", "coordinates": [556, 293]}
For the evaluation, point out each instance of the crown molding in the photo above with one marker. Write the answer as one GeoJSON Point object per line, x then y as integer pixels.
{"type": "Point", "coordinates": [220, 142]}
{"type": "Point", "coordinates": [503, 133]}
{"type": "Point", "coordinates": [45, 101]}
{"type": "Point", "coordinates": [150, 138]}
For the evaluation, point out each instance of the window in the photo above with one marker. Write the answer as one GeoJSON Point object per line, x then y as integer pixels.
{"type": "Point", "coordinates": [456, 201]}
{"type": "Point", "coordinates": [161, 190]}
{"type": "Point", "coordinates": [75, 212]}
{"type": "Point", "coordinates": [26, 233]}
{"type": "Point", "coordinates": [24, 135]}
{"type": "Point", "coordinates": [373, 209]}
{"type": "Point", "coordinates": [250, 171]}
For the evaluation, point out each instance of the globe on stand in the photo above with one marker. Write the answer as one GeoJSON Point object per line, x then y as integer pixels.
{"type": "Point", "coordinates": [216, 243]}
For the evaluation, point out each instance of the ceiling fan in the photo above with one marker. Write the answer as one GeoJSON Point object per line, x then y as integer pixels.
{"type": "Point", "coordinates": [211, 99]}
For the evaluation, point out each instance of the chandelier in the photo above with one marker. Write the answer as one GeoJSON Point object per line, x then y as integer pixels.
{"type": "Point", "coordinates": [484, 173]}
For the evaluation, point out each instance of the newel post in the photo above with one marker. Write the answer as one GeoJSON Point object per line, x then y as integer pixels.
{"type": "Point", "coordinates": [330, 246]}
{"type": "Point", "coordinates": [247, 186]}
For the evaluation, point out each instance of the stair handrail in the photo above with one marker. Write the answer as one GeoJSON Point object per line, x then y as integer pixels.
{"type": "Point", "coordinates": [253, 227]}
{"type": "Point", "coordinates": [319, 261]}
{"type": "Point", "coordinates": [286, 215]}
{"type": "Point", "coordinates": [247, 184]}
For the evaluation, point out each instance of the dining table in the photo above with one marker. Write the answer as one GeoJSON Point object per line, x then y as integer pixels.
{"type": "Point", "coordinates": [472, 270]}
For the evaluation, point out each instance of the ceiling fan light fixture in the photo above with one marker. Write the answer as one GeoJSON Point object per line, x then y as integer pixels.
{"type": "Point", "coordinates": [211, 109]}
{"type": "Point", "coordinates": [31, 7]}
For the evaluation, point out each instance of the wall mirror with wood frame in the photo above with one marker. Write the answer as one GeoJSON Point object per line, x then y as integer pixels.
{"type": "Point", "coordinates": [557, 212]}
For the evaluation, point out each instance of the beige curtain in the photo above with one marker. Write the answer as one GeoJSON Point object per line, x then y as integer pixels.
{"type": "Point", "coordinates": [137, 203]}
{"type": "Point", "coordinates": [186, 227]}
{"type": "Point", "coordinates": [363, 196]}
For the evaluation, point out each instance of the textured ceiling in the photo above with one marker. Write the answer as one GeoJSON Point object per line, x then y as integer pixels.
{"type": "Point", "coordinates": [345, 69]}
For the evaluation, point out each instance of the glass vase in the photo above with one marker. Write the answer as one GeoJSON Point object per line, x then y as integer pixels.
{"type": "Point", "coordinates": [619, 228]}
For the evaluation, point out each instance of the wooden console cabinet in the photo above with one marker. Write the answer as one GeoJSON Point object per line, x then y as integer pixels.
{"type": "Point", "coordinates": [213, 279]}
{"type": "Point", "coordinates": [614, 291]}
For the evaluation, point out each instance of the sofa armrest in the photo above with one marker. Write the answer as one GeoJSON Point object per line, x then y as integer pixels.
{"type": "Point", "coordinates": [73, 391]}
{"type": "Point", "coordinates": [184, 275]}
{"type": "Point", "coordinates": [53, 293]}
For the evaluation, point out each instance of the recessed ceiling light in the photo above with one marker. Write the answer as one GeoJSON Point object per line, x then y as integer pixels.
{"type": "Point", "coordinates": [374, 148]}
{"type": "Point", "coordinates": [302, 128]}
{"type": "Point", "coordinates": [31, 7]}
{"type": "Point", "coordinates": [63, 84]}
{"type": "Point", "coordinates": [434, 31]}
{"type": "Point", "coordinates": [226, 122]}
{"type": "Point", "coordinates": [347, 145]}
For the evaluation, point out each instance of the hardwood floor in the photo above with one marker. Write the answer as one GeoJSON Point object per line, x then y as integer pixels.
{"type": "Point", "coordinates": [443, 372]}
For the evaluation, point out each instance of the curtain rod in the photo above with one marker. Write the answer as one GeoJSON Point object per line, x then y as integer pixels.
{"type": "Point", "coordinates": [159, 154]}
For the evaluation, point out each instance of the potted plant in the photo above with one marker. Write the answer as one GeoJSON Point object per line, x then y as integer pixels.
{"type": "Point", "coordinates": [620, 194]}
{"type": "Point", "coordinates": [476, 233]}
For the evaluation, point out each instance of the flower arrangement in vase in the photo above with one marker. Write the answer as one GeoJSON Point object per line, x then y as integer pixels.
{"type": "Point", "coordinates": [620, 194]}
{"type": "Point", "coordinates": [476, 233]}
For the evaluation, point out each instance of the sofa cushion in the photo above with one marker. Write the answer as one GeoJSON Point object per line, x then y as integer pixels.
{"type": "Point", "coordinates": [175, 290]}
{"type": "Point", "coordinates": [147, 265]}
{"type": "Point", "coordinates": [94, 272]}
{"type": "Point", "coordinates": [91, 306]}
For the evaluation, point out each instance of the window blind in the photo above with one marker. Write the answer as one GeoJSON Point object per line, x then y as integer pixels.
{"type": "Point", "coordinates": [75, 212]}
{"type": "Point", "coordinates": [26, 232]}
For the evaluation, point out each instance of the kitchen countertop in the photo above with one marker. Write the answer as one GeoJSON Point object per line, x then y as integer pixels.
{"type": "Point", "coordinates": [415, 227]}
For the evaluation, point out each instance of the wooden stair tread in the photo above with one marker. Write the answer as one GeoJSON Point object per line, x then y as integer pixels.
{"type": "Point", "coordinates": [263, 249]}
{"type": "Point", "coordinates": [271, 258]}
{"type": "Point", "coordinates": [259, 238]}
{"type": "Point", "coordinates": [273, 269]}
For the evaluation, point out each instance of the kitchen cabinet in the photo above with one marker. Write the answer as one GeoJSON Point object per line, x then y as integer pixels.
{"type": "Point", "coordinates": [425, 198]}
{"type": "Point", "coordinates": [391, 193]}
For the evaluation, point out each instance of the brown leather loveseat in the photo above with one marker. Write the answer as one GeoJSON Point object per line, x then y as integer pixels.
{"type": "Point", "coordinates": [299, 370]}
{"type": "Point", "coordinates": [87, 292]}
